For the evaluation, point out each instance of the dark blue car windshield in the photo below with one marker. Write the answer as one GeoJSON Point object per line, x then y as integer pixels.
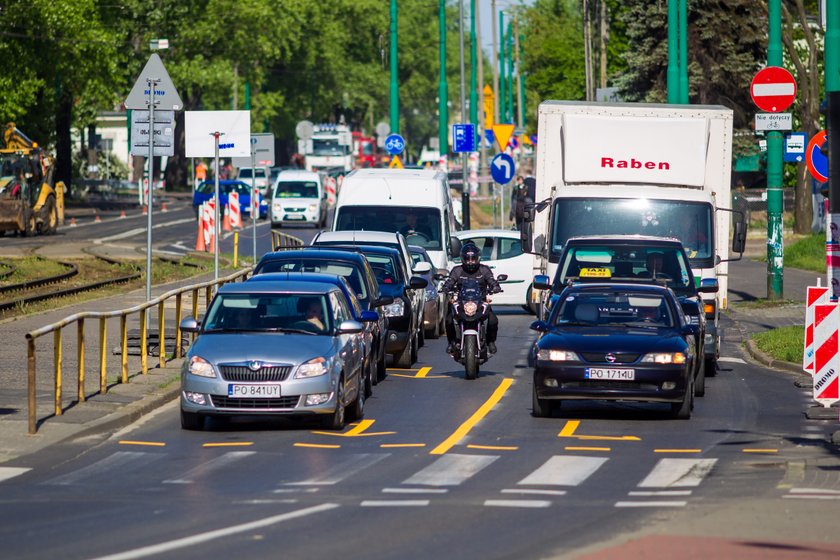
{"type": "Point", "coordinates": [597, 309]}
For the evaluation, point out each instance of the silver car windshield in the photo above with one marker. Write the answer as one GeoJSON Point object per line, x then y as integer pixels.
{"type": "Point", "coordinates": [597, 309]}
{"type": "Point", "coordinates": [299, 313]}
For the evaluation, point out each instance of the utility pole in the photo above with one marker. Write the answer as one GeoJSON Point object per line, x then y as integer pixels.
{"type": "Point", "coordinates": [482, 157]}
{"type": "Point", "coordinates": [495, 67]}
{"type": "Point", "coordinates": [604, 39]}
{"type": "Point", "coordinates": [443, 89]}
{"type": "Point", "coordinates": [511, 117]}
{"type": "Point", "coordinates": [502, 95]}
{"type": "Point", "coordinates": [520, 113]}
{"type": "Point", "coordinates": [465, 187]}
{"type": "Point", "coordinates": [473, 86]}
{"type": "Point", "coordinates": [587, 50]}
{"type": "Point", "coordinates": [395, 97]}
{"type": "Point", "coordinates": [832, 92]}
{"type": "Point", "coordinates": [775, 239]}
{"type": "Point", "coordinates": [683, 43]}
{"type": "Point", "coordinates": [673, 53]}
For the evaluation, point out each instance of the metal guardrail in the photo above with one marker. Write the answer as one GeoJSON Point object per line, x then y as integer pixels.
{"type": "Point", "coordinates": [123, 314]}
{"type": "Point", "coordinates": [282, 241]}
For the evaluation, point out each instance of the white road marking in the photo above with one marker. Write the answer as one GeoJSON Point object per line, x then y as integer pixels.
{"type": "Point", "coordinates": [814, 428]}
{"type": "Point", "coordinates": [661, 493]}
{"type": "Point", "coordinates": [415, 490]}
{"type": "Point", "coordinates": [116, 462]}
{"type": "Point", "coordinates": [343, 470]}
{"type": "Point", "coordinates": [732, 360]}
{"type": "Point", "coordinates": [211, 465]}
{"type": "Point", "coordinates": [534, 492]}
{"type": "Point", "coordinates": [649, 504]}
{"type": "Point", "coordinates": [10, 472]}
{"type": "Point", "coordinates": [451, 470]}
{"type": "Point", "coordinates": [678, 473]}
{"type": "Point", "coordinates": [161, 548]}
{"type": "Point", "coordinates": [814, 491]}
{"type": "Point", "coordinates": [518, 503]}
{"type": "Point", "coordinates": [810, 497]}
{"type": "Point", "coordinates": [564, 470]}
{"type": "Point", "coordinates": [394, 503]}
{"type": "Point", "coordinates": [138, 231]}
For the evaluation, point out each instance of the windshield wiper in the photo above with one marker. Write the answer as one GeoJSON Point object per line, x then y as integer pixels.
{"type": "Point", "coordinates": [296, 331]}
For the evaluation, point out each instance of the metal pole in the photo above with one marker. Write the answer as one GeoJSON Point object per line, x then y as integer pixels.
{"type": "Point", "coordinates": [495, 67]}
{"type": "Point", "coordinates": [482, 120]}
{"type": "Point", "coordinates": [673, 53]}
{"type": "Point", "coordinates": [775, 239]}
{"type": "Point", "coordinates": [255, 196]}
{"type": "Point", "coordinates": [473, 81]}
{"type": "Point", "coordinates": [216, 229]}
{"type": "Point", "coordinates": [683, 45]}
{"type": "Point", "coordinates": [395, 97]}
{"type": "Point", "coordinates": [443, 87]}
{"type": "Point", "coordinates": [465, 187]}
{"type": "Point", "coordinates": [152, 83]}
{"type": "Point", "coordinates": [832, 92]}
{"type": "Point", "coordinates": [500, 101]}
{"type": "Point", "coordinates": [509, 86]}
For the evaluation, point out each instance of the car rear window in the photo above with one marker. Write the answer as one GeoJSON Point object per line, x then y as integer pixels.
{"type": "Point", "coordinates": [346, 270]}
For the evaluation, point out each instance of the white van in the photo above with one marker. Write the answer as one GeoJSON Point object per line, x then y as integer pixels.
{"type": "Point", "coordinates": [297, 197]}
{"type": "Point", "coordinates": [413, 202]}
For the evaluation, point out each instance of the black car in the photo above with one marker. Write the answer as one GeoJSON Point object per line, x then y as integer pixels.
{"type": "Point", "coordinates": [356, 271]}
{"type": "Point", "coordinates": [611, 341]}
{"type": "Point", "coordinates": [405, 314]}
{"type": "Point", "coordinates": [641, 260]}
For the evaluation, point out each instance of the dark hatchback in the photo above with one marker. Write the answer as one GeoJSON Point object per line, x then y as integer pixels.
{"type": "Point", "coordinates": [615, 342]}
{"type": "Point", "coordinates": [355, 269]}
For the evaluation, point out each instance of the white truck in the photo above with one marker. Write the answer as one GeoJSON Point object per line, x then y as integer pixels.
{"type": "Point", "coordinates": [330, 147]}
{"type": "Point", "coordinates": [644, 169]}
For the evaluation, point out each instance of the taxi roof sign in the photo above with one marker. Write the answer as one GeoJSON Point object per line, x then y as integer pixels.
{"type": "Point", "coordinates": [166, 95]}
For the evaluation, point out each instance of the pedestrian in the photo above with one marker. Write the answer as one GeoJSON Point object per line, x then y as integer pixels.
{"type": "Point", "coordinates": [517, 202]}
{"type": "Point", "coordinates": [200, 171]}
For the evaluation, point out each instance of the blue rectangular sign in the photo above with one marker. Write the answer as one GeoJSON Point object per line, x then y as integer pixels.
{"type": "Point", "coordinates": [795, 143]}
{"type": "Point", "coordinates": [463, 138]}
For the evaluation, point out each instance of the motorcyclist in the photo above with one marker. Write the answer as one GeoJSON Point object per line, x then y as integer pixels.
{"type": "Point", "coordinates": [470, 267]}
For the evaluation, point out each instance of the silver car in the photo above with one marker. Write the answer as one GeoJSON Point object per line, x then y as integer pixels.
{"type": "Point", "coordinates": [285, 348]}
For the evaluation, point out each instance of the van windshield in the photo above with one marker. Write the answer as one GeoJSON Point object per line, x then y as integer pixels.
{"type": "Point", "coordinates": [296, 189]}
{"type": "Point", "coordinates": [420, 226]}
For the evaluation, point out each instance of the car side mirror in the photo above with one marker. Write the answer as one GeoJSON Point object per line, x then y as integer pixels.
{"type": "Point", "coordinates": [539, 326]}
{"type": "Point", "coordinates": [369, 317]}
{"type": "Point", "coordinates": [542, 282]}
{"type": "Point", "coordinates": [422, 268]}
{"type": "Point", "coordinates": [691, 308]}
{"type": "Point", "coordinates": [190, 325]}
{"type": "Point", "coordinates": [350, 327]}
{"type": "Point", "coordinates": [502, 277]}
{"type": "Point", "coordinates": [454, 247]}
{"type": "Point", "coordinates": [383, 300]}
{"type": "Point", "coordinates": [417, 283]}
{"type": "Point", "coordinates": [709, 286]}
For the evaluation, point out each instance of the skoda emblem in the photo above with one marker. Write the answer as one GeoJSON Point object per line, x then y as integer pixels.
{"type": "Point", "coordinates": [255, 366]}
{"type": "Point", "coordinates": [610, 357]}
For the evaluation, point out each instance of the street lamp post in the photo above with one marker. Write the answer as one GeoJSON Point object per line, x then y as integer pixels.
{"type": "Point", "coordinates": [395, 98]}
{"type": "Point", "coordinates": [443, 89]}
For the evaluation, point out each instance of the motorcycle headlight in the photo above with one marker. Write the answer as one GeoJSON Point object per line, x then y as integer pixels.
{"type": "Point", "coordinates": [431, 293]}
{"type": "Point", "coordinates": [312, 368]}
{"type": "Point", "coordinates": [664, 358]}
{"type": "Point", "coordinates": [395, 309]}
{"type": "Point", "coordinates": [201, 367]}
{"type": "Point", "coordinates": [557, 356]}
{"type": "Point", "coordinates": [470, 308]}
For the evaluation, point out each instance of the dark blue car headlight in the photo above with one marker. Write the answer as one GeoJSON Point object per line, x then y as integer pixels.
{"type": "Point", "coordinates": [557, 355]}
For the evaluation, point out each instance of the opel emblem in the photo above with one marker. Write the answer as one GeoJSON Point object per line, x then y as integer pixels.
{"type": "Point", "coordinates": [254, 366]}
{"type": "Point", "coordinates": [610, 357]}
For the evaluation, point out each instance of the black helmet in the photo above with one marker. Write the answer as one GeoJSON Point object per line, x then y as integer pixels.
{"type": "Point", "coordinates": [470, 257]}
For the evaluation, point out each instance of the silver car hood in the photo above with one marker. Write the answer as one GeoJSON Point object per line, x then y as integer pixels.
{"type": "Point", "coordinates": [279, 348]}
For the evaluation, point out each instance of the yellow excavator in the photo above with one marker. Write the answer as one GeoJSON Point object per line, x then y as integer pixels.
{"type": "Point", "coordinates": [30, 200]}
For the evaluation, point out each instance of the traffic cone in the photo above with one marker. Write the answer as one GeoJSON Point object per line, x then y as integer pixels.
{"type": "Point", "coordinates": [72, 222]}
{"type": "Point", "coordinates": [199, 242]}
{"type": "Point", "coordinates": [145, 210]}
{"type": "Point", "coordinates": [212, 246]}
{"type": "Point", "coordinates": [97, 219]}
{"type": "Point", "coordinates": [122, 213]}
{"type": "Point", "coordinates": [163, 208]}
{"type": "Point", "coordinates": [226, 221]}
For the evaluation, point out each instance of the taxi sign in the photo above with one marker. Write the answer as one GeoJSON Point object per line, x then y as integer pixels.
{"type": "Point", "coordinates": [595, 273]}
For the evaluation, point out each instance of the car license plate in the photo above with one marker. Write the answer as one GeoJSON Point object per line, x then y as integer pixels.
{"type": "Point", "coordinates": [254, 391]}
{"type": "Point", "coordinates": [610, 374]}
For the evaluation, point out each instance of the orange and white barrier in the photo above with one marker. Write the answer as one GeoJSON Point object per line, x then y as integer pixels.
{"type": "Point", "coordinates": [827, 353]}
{"type": "Point", "coordinates": [200, 244]}
{"type": "Point", "coordinates": [813, 296]}
{"type": "Point", "coordinates": [330, 190]}
{"type": "Point", "coordinates": [210, 225]}
{"type": "Point", "coordinates": [234, 210]}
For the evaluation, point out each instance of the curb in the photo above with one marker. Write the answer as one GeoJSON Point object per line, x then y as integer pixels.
{"type": "Point", "coordinates": [763, 358]}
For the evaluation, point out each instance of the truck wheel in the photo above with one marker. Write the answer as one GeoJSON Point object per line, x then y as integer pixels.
{"type": "Point", "coordinates": [49, 217]}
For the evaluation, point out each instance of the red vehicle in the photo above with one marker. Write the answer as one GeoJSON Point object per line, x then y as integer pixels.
{"type": "Point", "coordinates": [364, 150]}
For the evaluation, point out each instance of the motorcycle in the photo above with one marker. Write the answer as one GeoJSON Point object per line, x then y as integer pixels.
{"type": "Point", "coordinates": [471, 312]}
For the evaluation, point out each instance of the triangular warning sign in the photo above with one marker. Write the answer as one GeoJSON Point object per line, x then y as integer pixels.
{"type": "Point", "coordinates": [503, 132]}
{"type": "Point", "coordinates": [395, 163]}
{"type": "Point", "coordinates": [166, 96]}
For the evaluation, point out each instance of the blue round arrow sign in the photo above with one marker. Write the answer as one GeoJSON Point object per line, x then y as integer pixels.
{"type": "Point", "coordinates": [502, 168]}
{"type": "Point", "coordinates": [394, 144]}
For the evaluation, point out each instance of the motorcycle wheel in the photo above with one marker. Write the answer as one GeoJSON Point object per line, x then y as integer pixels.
{"type": "Point", "coordinates": [470, 353]}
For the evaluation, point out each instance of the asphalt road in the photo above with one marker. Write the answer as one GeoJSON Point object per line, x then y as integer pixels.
{"type": "Point", "coordinates": [441, 467]}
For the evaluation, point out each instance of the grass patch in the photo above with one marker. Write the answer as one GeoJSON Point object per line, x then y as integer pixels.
{"type": "Point", "coordinates": [783, 343]}
{"type": "Point", "coordinates": [763, 303]}
{"type": "Point", "coordinates": [808, 253]}
{"type": "Point", "coordinates": [31, 268]}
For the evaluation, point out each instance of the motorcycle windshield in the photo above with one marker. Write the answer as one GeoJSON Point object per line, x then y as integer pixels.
{"type": "Point", "coordinates": [470, 290]}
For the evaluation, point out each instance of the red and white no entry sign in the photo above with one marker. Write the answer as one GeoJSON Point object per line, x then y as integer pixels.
{"type": "Point", "coordinates": [773, 89]}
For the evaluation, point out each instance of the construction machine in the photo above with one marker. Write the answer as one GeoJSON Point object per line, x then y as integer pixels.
{"type": "Point", "coordinates": [30, 200]}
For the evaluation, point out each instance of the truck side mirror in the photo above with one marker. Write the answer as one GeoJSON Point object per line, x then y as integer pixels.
{"type": "Point", "coordinates": [526, 236]}
{"type": "Point", "coordinates": [739, 239]}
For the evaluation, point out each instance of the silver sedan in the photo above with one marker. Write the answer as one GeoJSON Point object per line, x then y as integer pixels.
{"type": "Point", "coordinates": [275, 348]}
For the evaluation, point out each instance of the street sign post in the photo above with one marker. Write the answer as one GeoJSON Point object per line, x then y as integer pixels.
{"type": "Point", "coordinates": [463, 138]}
{"type": "Point", "coordinates": [773, 89]}
{"type": "Point", "coordinates": [817, 161]}
{"type": "Point", "coordinates": [262, 155]}
{"type": "Point", "coordinates": [394, 144]}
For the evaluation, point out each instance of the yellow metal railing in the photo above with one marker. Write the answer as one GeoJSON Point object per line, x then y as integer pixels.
{"type": "Point", "coordinates": [281, 241]}
{"type": "Point", "coordinates": [195, 291]}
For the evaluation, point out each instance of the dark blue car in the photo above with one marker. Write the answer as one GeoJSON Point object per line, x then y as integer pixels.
{"type": "Point", "coordinates": [206, 190]}
{"type": "Point", "coordinates": [612, 341]}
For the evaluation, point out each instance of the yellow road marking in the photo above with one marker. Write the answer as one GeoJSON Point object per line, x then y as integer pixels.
{"type": "Point", "coordinates": [568, 448]}
{"type": "Point", "coordinates": [389, 445]}
{"type": "Point", "coordinates": [423, 372]}
{"type": "Point", "coordinates": [357, 431]}
{"type": "Point", "coordinates": [400, 369]}
{"type": "Point", "coordinates": [760, 450]}
{"type": "Point", "coordinates": [230, 444]}
{"type": "Point", "coordinates": [572, 425]}
{"type": "Point", "coordinates": [483, 410]}
{"type": "Point", "coordinates": [495, 447]}
{"type": "Point", "coordinates": [418, 376]}
{"type": "Point", "coordinates": [317, 445]}
{"type": "Point", "coordinates": [148, 443]}
{"type": "Point", "coordinates": [677, 450]}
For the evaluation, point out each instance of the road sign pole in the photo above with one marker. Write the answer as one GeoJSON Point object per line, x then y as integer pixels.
{"type": "Point", "coordinates": [775, 233]}
{"type": "Point", "coordinates": [465, 187]}
{"type": "Point", "coordinates": [152, 84]}
{"type": "Point", "coordinates": [832, 90]}
{"type": "Point", "coordinates": [255, 199]}
{"type": "Point", "coordinates": [216, 228]}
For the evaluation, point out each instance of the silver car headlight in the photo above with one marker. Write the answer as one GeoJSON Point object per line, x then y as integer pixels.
{"type": "Point", "coordinates": [312, 368]}
{"type": "Point", "coordinates": [395, 309]}
{"type": "Point", "coordinates": [201, 367]}
{"type": "Point", "coordinates": [557, 356]}
{"type": "Point", "coordinates": [664, 358]}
